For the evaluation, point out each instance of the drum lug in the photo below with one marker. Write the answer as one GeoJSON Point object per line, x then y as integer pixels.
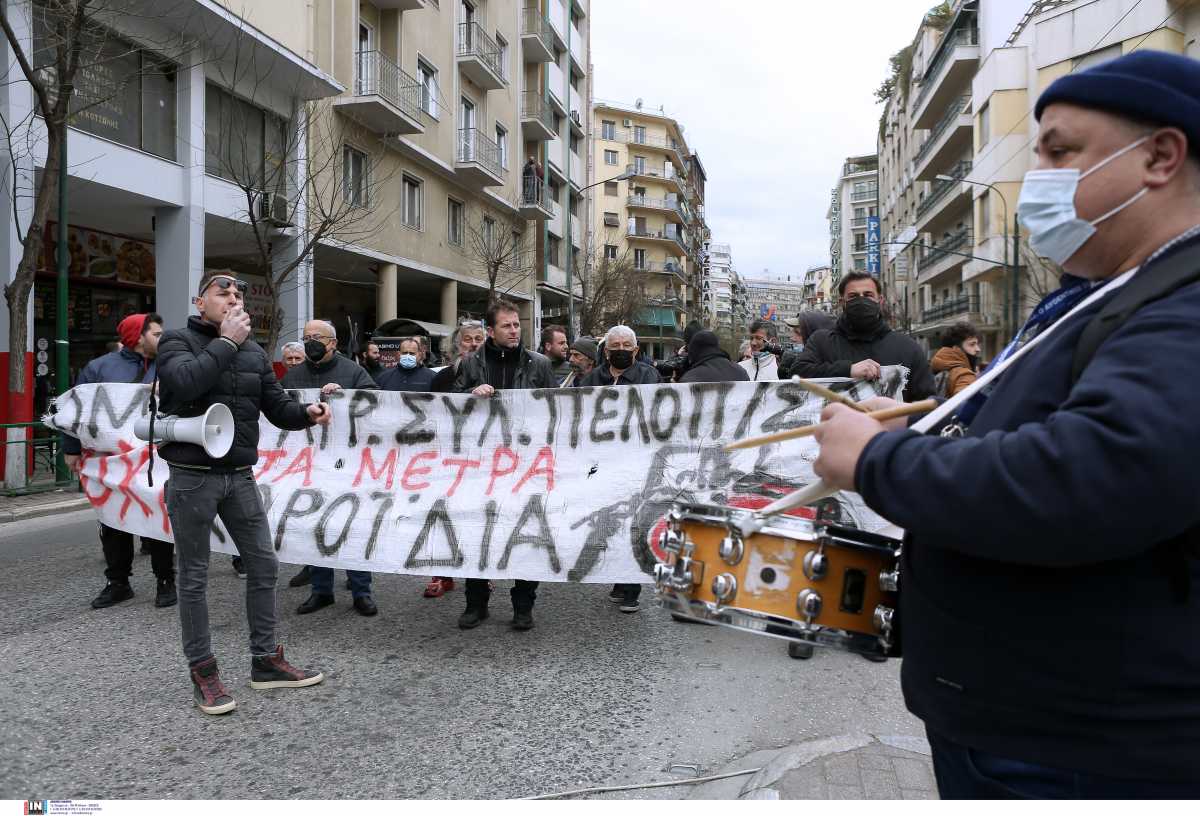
{"type": "Point", "coordinates": [732, 549]}
{"type": "Point", "coordinates": [889, 581]}
{"type": "Point", "coordinates": [816, 565]}
{"type": "Point", "coordinates": [724, 586]}
{"type": "Point", "coordinates": [809, 603]}
{"type": "Point", "coordinates": [882, 619]}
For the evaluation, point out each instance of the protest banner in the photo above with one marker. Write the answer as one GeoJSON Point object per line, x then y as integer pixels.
{"type": "Point", "coordinates": [548, 485]}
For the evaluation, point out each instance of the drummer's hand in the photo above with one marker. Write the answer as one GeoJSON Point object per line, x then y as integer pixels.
{"type": "Point", "coordinates": [320, 413]}
{"type": "Point", "coordinates": [842, 435]}
{"type": "Point", "coordinates": [882, 404]}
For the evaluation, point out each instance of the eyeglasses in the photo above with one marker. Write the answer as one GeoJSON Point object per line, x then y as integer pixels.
{"type": "Point", "coordinates": [322, 338]}
{"type": "Point", "coordinates": [224, 283]}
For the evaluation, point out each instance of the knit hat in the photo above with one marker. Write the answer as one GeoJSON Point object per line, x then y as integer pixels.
{"type": "Point", "coordinates": [702, 343]}
{"type": "Point", "coordinates": [1152, 86]}
{"type": "Point", "coordinates": [130, 329]}
{"type": "Point", "coordinates": [585, 346]}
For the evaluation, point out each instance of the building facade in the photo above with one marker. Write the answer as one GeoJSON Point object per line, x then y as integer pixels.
{"type": "Point", "coordinates": [653, 217]}
{"type": "Point", "coordinates": [853, 202]}
{"type": "Point", "coordinates": [775, 299]}
{"type": "Point", "coordinates": [818, 288]}
{"type": "Point", "coordinates": [721, 291]}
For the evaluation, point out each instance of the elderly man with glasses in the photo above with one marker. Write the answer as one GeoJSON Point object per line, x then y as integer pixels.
{"type": "Point", "coordinates": [215, 360]}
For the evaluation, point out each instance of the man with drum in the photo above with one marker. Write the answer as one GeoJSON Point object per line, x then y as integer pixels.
{"type": "Point", "coordinates": [1049, 601]}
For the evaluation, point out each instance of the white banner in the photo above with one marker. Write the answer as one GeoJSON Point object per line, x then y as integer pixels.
{"type": "Point", "coordinates": [553, 485]}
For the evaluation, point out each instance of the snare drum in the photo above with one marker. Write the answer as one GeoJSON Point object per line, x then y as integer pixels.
{"type": "Point", "coordinates": [793, 578]}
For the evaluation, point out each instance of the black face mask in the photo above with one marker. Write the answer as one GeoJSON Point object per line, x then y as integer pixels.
{"type": "Point", "coordinates": [863, 314]}
{"type": "Point", "coordinates": [620, 358]}
{"type": "Point", "coordinates": [314, 350]}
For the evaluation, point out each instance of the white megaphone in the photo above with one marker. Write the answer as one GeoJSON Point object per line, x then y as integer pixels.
{"type": "Point", "coordinates": [213, 431]}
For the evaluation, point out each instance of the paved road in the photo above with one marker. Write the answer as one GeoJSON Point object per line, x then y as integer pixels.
{"type": "Point", "coordinates": [98, 704]}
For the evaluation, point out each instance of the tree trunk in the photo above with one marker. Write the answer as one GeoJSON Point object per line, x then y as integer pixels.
{"type": "Point", "coordinates": [18, 290]}
{"type": "Point", "coordinates": [273, 319]}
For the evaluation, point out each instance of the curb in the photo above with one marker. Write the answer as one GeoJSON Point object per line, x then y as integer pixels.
{"type": "Point", "coordinates": [45, 509]}
{"type": "Point", "coordinates": [775, 764]}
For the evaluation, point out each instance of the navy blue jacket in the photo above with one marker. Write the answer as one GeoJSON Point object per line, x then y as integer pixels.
{"type": "Point", "coordinates": [122, 366]}
{"type": "Point", "coordinates": [1048, 609]}
{"type": "Point", "coordinates": [398, 378]}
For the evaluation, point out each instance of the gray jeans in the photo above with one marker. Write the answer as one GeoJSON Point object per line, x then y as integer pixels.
{"type": "Point", "coordinates": [194, 500]}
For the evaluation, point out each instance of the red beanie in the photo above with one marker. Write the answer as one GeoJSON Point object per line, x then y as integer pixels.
{"type": "Point", "coordinates": [130, 330]}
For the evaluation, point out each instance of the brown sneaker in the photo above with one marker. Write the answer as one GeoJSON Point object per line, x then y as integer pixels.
{"type": "Point", "coordinates": [210, 693]}
{"type": "Point", "coordinates": [273, 671]}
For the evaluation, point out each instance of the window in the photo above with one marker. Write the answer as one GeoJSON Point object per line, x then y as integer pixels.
{"type": "Point", "coordinates": [411, 202]}
{"type": "Point", "coordinates": [639, 259]}
{"type": "Point", "coordinates": [985, 124]}
{"type": "Point", "coordinates": [611, 219]}
{"type": "Point", "coordinates": [502, 57]}
{"type": "Point", "coordinates": [553, 248]}
{"type": "Point", "coordinates": [575, 140]}
{"type": "Point", "coordinates": [610, 188]}
{"type": "Point", "coordinates": [502, 146]}
{"type": "Point", "coordinates": [610, 252]}
{"type": "Point", "coordinates": [429, 87]}
{"type": "Point", "coordinates": [454, 222]}
{"type": "Point", "coordinates": [610, 157]}
{"type": "Point", "coordinates": [255, 154]}
{"type": "Point", "coordinates": [608, 130]}
{"type": "Point", "coordinates": [639, 134]}
{"type": "Point", "coordinates": [354, 176]}
{"type": "Point", "coordinates": [639, 165]}
{"type": "Point", "coordinates": [985, 214]}
{"type": "Point", "coordinates": [488, 230]}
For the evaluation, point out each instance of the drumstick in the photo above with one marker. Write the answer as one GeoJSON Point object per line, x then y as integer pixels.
{"type": "Point", "coordinates": [798, 433]}
{"type": "Point", "coordinates": [827, 394]}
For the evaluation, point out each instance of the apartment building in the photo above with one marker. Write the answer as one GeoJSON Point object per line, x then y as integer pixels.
{"type": "Point", "coordinates": [775, 299]}
{"type": "Point", "coordinates": [721, 290]}
{"type": "Point", "coordinates": [818, 288]}
{"type": "Point", "coordinates": [853, 203]}
{"type": "Point", "coordinates": [648, 208]}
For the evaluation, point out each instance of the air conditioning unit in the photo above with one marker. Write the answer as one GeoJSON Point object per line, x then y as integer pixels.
{"type": "Point", "coordinates": [273, 209]}
{"type": "Point", "coordinates": [611, 221]}
{"type": "Point", "coordinates": [575, 116]}
{"type": "Point", "coordinates": [627, 123]}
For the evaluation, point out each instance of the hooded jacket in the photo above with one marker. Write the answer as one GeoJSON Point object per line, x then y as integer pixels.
{"type": "Point", "coordinates": [709, 363]}
{"type": "Point", "coordinates": [832, 352]}
{"type": "Point", "coordinates": [955, 362]}
{"type": "Point", "coordinates": [197, 369]}
{"type": "Point", "coordinates": [504, 368]}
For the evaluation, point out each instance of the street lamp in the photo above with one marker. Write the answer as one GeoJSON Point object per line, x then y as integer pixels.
{"type": "Point", "coordinates": [1013, 268]}
{"type": "Point", "coordinates": [628, 174]}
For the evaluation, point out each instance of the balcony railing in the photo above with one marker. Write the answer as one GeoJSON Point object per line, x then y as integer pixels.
{"type": "Point", "coordinates": [959, 37]}
{"type": "Point", "coordinates": [858, 222]}
{"type": "Point", "coordinates": [474, 147]}
{"type": "Point", "coordinates": [949, 246]}
{"type": "Point", "coordinates": [672, 204]}
{"type": "Point", "coordinates": [665, 267]}
{"type": "Point", "coordinates": [961, 305]}
{"type": "Point", "coordinates": [951, 115]}
{"type": "Point", "coordinates": [667, 234]}
{"type": "Point", "coordinates": [666, 170]}
{"type": "Point", "coordinates": [943, 186]}
{"type": "Point", "coordinates": [869, 195]}
{"type": "Point", "coordinates": [378, 75]}
{"type": "Point", "coordinates": [473, 41]}
{"type": "Point", "coordinates": [534, 23]}
{"type": "Point", "coordinates": [535, 106]}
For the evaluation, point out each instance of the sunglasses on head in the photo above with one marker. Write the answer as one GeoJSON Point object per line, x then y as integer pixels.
{"type": "Point", "coordinates": [225, 283]}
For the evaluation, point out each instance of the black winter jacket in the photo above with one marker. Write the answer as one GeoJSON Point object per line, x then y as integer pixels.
{"type": "Point", "coordinates": [709, 363]}
{"type": "Point", "coordinates": [528, 369]}
{"type": "Point", "coordinates": [197, 369]}
{"type": "Point", "coordinates": [831, 353]}
{"type": "Point", "coordinates": [637, 374]}
{"type": "Point", "coordinates": [122, 366]}
{"type": "Point", "coordinates": [338, 369]}
{"type": "Point", "coordinates": [398, 378]}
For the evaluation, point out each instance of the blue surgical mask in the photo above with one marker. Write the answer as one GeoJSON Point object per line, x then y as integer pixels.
{"type": "Point", "coordinates": [1046, 209]}
{"type": "Point", "coordinates": [408, 361]}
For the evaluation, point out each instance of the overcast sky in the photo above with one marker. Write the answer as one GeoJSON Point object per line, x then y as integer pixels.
{"type": "Point", "coordinates": [773, 94]}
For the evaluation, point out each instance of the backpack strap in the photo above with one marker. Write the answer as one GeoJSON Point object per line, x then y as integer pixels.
{"type": "Point", "coordinates": [1159, 280]}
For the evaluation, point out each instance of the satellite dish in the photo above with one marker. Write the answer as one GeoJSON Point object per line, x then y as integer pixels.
{"type": "Point", "coordinates": [638, 104]}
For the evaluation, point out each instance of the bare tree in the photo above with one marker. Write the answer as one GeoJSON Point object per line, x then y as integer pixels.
{"type": "Point", "coordinates": [500, 248]}
{"type": "Point", "coordinates": [614, 293]}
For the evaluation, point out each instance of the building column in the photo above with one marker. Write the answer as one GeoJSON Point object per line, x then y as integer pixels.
{"type": "Point", "coordinates": [179, 231]}
{"type": "Point", "coordinates": [386, 294]}
{"type": "Point", "coordinates": [449, 310]}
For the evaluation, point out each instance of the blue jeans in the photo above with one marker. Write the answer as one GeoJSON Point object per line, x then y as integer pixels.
{"type": "Point", "coordinates": [194, 500]}
{"type": "Point", "coordinates": [322, 582]}
{"type": "Point", "coordinates": [964, 773]}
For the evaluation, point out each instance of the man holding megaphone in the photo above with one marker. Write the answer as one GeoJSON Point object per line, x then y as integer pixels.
{"type": "Point", "coordinates": [215, 361]}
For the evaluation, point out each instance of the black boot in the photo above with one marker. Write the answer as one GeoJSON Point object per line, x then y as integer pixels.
{"type": "Point", "coordinates": [166, 595]}
{"type": "Point", "coordinates": [478, 593]}
{"type": "Point", "coordinates": [301, 578]}
{"type": "Point", "coordinates": [523, 594]}
{"type": "Point", "coordinates": [113, 593]}
{"type": "Point", "coordinates": [472, 617]}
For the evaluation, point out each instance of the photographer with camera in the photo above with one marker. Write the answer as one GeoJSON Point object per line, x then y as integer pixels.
{"type": "Point", "coordinates": [764, 352]}
{"type": "Point", "coordinates": [214, 360]}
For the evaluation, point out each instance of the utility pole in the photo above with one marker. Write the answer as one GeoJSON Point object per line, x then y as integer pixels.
{"type": "Point", "coordinates": [62, 372]}
{"type": "Point", "coordinates": [1016, 276]}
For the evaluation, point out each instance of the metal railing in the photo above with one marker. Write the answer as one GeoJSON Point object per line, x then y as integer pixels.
{"type": "Point", "coordinates": [473, 41]}
{"type": "Point", "coordinates": [534, 23]}
{"type": "Point", "coordinates": [474, 147]}
{"type": "Point", "coordinates": [378, 75]}
{"type": "Point", "coordinates": [959, 37]}
{"type": "Point", "coordinates": [673, 204]}
{"type": "Point", "coordinates": [869, 195]}
{"type": "Point", "coordinates": [949, 246]}
{"type": "Point", "coordinates": [940, 188]}
{"type": "Point", "coordinates": [668, 234]}
{"type": "Point", "coordinates": [962, 304]}
{"type": "Point", "coordinates": [534, 106]}
{"type": "Point", "coordinates": [949, 117]}
{"type": "Point", "coordinates": [533, 194]}
{"type": "Point", "coordinates": [858, 222]}
{"type": "Point", "coordinates": [41, 457]}
{"type": "Point", "coordinates": [666, 170]}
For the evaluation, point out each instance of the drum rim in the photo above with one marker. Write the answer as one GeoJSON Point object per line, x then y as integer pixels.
{"type": "Point", "coordinates": [786, 527]}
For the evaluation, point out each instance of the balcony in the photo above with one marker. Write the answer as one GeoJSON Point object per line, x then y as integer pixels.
{"type": "Point", "coordinates": [670, 267]}
{"type": "Point", "coordinates": [671, 205]}
{"type": "Point", "coordinates": [952, 308]}
{"type": "Point", "coordinates": [477, 160]}
{"type": "Point", "coordinates": [400, 5]}
{"type": "Point", "coordinates": [669, 235]}
{"type": "Point", "coordinates": [950, 137]}
{"type": "Point", "coordinates": [479, 57]}
{"type": "Point", "coordinates": [942, 192]}
{"type": "Point", "coordinates": [950, 73]}
{"type": "Point", "coordinates": [869, 195]}
{"type": "Point", "coordinates": [640, 138]}
{"type": "Point", "coordinates": [537, 120]}
{"type": "Point", "coordinates": [536, 204]}
{"type": "Point", "coordinates": [658, 172]}
{"type": "Point", "coordinates": [949, 254]}
{"type": "Point", "coordinates": [386, 99]}
{"type": "Point", "coordinates": [537, 38]}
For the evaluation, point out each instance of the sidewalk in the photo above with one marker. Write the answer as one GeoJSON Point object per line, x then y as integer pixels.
{"type": "Point", "coordinates": [19, 508]}
{"type": "Point", "coordinates": [857, 766]}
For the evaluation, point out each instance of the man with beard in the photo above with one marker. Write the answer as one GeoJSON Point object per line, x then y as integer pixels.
{"type": "Point", "coordinates": [371, 361]}
{"type": "Point", "coordinates": [956, 363]}
{"type": "Point", "coordinates": [554, 346]}
{"type": "Point", "coordinates": [862, 342]}
{"type": "Point", "coordinates": [582, 358]}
